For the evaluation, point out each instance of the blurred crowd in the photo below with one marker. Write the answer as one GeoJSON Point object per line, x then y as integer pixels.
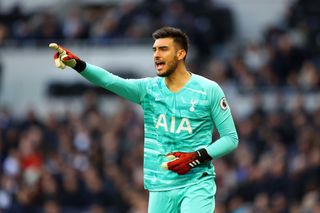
{"type": "Point", "coordinates": [86, 162]}
{"type": "Point", "coordinates": [102, 23]}
{"type": "Point", "coordinates": [287, 55]}
{"type": "Point", "coordinates": [276, 168]}
{"type": "Point", "coordinates": [90, 161]}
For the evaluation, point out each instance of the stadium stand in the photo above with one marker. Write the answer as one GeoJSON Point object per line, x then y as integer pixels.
{"type": "Point", "coordinates": [91, 161]}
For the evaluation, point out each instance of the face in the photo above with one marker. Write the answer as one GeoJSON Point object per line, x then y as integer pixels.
{"type": "Point", "coordinates": [166, 56]}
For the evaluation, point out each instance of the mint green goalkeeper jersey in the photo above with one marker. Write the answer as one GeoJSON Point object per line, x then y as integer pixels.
{"type": "Point", "coordinates": [183, 121]}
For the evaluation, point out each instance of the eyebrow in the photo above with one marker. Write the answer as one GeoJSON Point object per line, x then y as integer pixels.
{"type": "Point", "coordinates": [160, 47]}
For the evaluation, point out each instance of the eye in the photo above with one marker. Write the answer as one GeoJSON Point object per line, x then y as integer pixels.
{"type": "Point", "coordinates": [164, 48]}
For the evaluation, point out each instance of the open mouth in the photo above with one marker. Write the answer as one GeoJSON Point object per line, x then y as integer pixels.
{"type": "Point", "coordinates": [159, 65]}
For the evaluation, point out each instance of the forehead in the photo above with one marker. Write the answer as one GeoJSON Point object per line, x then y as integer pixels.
{"type": "Point", "coordinates": [163, 42]}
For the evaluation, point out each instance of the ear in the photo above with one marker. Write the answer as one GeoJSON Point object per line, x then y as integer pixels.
{"type": "Point", "coordinates": [181, 54]}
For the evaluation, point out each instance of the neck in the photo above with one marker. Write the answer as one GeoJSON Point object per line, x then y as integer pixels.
{"type": "Point", "coordinates": [178, 78]}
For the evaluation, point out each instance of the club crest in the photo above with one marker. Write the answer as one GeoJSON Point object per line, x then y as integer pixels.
{"type": "Point", "coordinates": [193, 103]}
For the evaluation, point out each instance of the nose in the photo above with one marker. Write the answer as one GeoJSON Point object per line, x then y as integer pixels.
{"type": "Point", "coordinates": [156, 54]}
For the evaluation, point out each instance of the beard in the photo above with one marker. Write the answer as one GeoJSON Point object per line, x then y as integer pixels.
{"type": "Point", "coordinates": [172, 66]}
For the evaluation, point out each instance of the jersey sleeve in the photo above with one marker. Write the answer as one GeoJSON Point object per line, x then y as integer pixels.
{"type": "Point", "coordinates": [130, 89]}
{"type": "Point", "coordinates": [222, 118]}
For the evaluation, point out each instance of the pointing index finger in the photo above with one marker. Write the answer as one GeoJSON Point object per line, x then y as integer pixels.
{"type": "Point", "coordinates": [56, 47]}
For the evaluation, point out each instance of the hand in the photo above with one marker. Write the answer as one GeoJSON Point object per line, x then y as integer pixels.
{"type": "Point", "coordinates": [63, 57]}
{"type": "Point", "coordinates": [185, 161]}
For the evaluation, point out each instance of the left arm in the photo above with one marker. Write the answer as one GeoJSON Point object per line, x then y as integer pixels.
{"type": "Point", "coordinates": [221, 115]}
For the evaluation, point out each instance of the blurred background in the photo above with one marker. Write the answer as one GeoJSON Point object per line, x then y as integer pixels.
{"type": "Point", "coordinates": [67, 146]}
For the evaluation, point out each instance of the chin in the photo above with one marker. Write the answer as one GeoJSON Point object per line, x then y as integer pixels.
{"type": "Point", "coordinates": [161, 73]}
{"type": "Point", "coordinates": [165, 73]}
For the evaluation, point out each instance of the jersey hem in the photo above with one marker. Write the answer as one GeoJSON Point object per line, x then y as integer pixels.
{"type": "Point", "coordinates": [182, 186]}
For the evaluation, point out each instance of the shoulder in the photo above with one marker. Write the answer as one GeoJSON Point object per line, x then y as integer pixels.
{"type": "Point", "coordinates": [148, 80]}
{"type": "Point", "coordinates": [211, 88]}
{"type": "Point", "coordinates": [152, 83]}
{"type": "Point", "coordinates": [206, 83]}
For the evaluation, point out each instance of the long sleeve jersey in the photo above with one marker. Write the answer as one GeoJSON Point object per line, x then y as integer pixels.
{"type": "Point", "coordinates": [182, 121]}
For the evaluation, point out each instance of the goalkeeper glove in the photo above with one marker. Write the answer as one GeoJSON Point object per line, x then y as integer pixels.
{"type": "Point", "coordinates": [184, 162]}
{"type": "Point", "coordinates": [64, 57]}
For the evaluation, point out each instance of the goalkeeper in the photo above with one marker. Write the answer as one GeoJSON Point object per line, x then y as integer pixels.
{"type": "Point", "coordinates": [180, 111]}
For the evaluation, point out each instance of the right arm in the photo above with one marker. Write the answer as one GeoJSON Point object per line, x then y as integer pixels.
{"type": "Point", "coordinates": [130, 89]}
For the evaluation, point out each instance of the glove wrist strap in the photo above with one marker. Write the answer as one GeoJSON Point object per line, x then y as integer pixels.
{"type": "Point", "coordinates": [80, 66]}
{"type": "Point", "coordinates": [203, 155]}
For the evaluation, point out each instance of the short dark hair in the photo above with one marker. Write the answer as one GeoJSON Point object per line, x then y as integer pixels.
{"type": "Point", "coordinates": [178, 36]}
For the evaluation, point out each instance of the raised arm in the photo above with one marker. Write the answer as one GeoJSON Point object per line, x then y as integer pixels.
{"type": "Point", "coordinates": [130, 89]}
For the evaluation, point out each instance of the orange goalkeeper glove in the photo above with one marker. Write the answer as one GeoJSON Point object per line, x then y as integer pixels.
{"type": "Point", "coordinates": [185, 161]}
